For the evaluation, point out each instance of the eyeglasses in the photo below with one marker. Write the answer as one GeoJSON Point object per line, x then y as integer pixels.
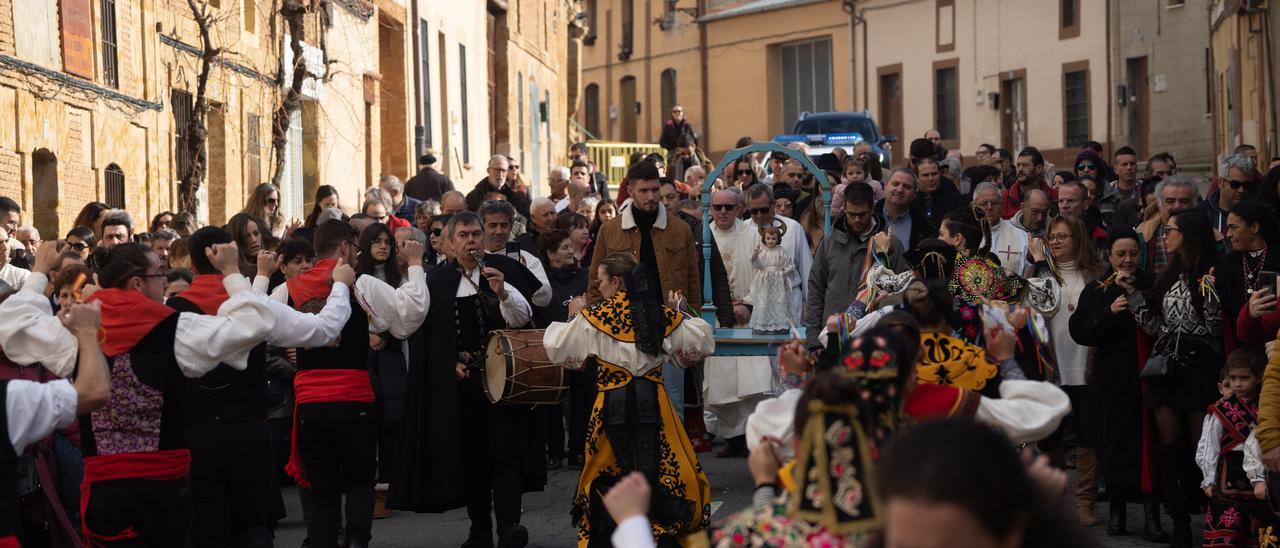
{"type": "Point", "coordinates": [1086, 167]}
{"type": "Point", "coordinates": [1058, 237]}
{"type": "Point", "coordinates": [1237, 185]}
{"type": "Point", "coordinates": [1168, 229]}
{"type": "Point", "coordinates": [723, 207]}
{"type": "Point", "coordinates": [759, 211]}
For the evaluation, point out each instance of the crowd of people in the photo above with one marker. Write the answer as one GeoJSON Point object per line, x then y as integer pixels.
{"type": "Point", "coordinates": [1098, 318]}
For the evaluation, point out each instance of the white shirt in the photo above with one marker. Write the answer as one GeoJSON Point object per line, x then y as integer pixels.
{"type": "Point", "coordinates": [736, 246]}
{"type": "Point", "coordinates": [562, 204]}
{"type": "Point", "coordinates": [398, 310]}
{"type": "Point", "coordinates": [1209, 448]}
{"type": "Point", "coordinates": [515, 309]}
{"type": "Point", "coordinates": [13, 275]}
{"type": "Point", "coordinates": [541, 297]}
{"type": "Point", "coordinates": [633, 532]}
{"type": "Point", "coordinates": [34, 410]}
{"type": "Point", "coordinates": [296, 329]}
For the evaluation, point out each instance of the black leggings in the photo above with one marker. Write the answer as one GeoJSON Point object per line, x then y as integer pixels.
{"type": "Point", "coordinates": [231, 469]}
{"type": "Point", "coordinates": [139, 513]}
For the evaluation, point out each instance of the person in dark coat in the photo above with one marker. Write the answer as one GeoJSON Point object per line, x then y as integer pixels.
{"type": "Point", "coordinates": [568, 279]}
{"type": "Point", "coordinates": [456, 448]}
{"type": "Point", "coordinates": [428, 184]}
{"type": "Point", "coordinates": [675, 127]}
{"type": "Point", "coordinates": [935, 198]}
{"type": "Point", "coordinates": [496, 181]}
{"type": "Point", "coordinates": [1102, 320]}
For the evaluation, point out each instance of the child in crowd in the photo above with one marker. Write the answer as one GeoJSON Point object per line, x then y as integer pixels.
{"type": "Point", "coordinates": [1230, 458]}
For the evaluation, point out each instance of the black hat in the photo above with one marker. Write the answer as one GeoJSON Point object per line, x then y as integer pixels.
{"type": "Point", "coordinates": [828, 162]}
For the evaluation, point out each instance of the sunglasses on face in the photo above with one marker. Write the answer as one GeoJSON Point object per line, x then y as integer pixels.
{"type": "Point", "coordinates": [437, 232]}
{"type": "Point", "coordinates": [723, 207]}
{"type": "Point", "coordinates": [759, 211]}
{"type": "Point", "coordinates": [1086, 167]}
{"type": "Point", "coordinates": [78, 246]}
{"type": "Point", "coordinates": [1237, 185]}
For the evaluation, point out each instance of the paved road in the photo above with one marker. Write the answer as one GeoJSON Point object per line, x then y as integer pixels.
{"type": "Point", "coordinates": [546, 514]}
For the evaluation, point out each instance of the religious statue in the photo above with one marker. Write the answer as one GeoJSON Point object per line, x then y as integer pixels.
{"type": "Point", "coordinates": [771, 288]}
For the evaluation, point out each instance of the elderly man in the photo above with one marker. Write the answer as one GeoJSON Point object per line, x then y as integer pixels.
{"type": "Point", "coordinates": [558, 182]}
{"type": "Point", "coordinates": [542, 216]}
{"type": "Point", "coordinates": [1034, 214]}
{"type": "Point", "coordinates": [496, 182]}
{"type": "Point", "coordinates": [452, 202]}
{"type": "Point", "coordinates": [9, 273]}
{"type": "Point", "coordinates": [1008, 240]}
{"type": "Point", "coordinates": [694, 177]}
{"type": "Point", "coordinates": [1235, 183]}
{"type": "Point", "coordinates": [795, 241]}
{"type": "Point", "coordinates": [734, 385]}
{"type": "Point", "coordinates": [402, 205]}
{"type": "Point", "coordinates": [498, 217]}
{"type": "Point", "coordinates": [1175, 193]}
{"type": "Point", "coordinates": [428, 184]}
{"type": "Point", "coordinates": [29, 238]}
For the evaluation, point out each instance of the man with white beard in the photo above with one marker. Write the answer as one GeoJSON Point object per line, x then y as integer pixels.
{"type": "Point", "coordinates": [734, 385]}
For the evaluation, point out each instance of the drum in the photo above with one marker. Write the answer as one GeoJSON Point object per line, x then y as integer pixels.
{"type": "Point", "coordinates": [518, 372]}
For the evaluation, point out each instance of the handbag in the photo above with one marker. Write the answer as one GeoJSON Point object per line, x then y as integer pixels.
{"type": "Point", "coordinates": [1161, 361]}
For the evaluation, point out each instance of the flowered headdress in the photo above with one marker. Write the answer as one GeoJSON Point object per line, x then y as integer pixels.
{"type": "Point", "coordinates": [979, 278]}
{"type": "Point", "coordinates": [842, 438]}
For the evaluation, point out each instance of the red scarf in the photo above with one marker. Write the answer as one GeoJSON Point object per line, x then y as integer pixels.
{"type": "Point", "coordinates": [312, 284]}
{"type": "Point", "coordinates": [207, 293]}
{"type": "Point", "coordinates": [323, 386]}
{"type": "Point", "coordinates": [127, 317]}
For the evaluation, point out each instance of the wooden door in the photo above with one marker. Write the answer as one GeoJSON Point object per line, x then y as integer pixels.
{"type": "Point", "coordinates": [627, 110]}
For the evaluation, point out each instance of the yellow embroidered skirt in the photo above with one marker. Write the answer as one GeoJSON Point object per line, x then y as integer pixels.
{"type": "Point", "coordinates": [679, 475]}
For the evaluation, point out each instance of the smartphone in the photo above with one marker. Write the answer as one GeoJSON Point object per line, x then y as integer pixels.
{"type": "Point", "coordinates": [1267, 279]}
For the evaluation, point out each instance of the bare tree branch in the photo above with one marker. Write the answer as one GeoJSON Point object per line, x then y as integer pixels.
{"type": "Point", "coordinates": [197, 129]}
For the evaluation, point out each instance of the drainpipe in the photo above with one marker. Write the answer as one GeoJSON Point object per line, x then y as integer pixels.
{"type": "Point", "coordinates": [848, 6]}
{"type": "Point", "coordinates": [866, 78]}
{"type": "Point", "coordinates": [705, 139]}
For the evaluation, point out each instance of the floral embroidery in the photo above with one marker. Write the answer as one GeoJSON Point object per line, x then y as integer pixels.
{"type": "Point", "coordinates": [1229, 518]}
{"type": "Point", "coordinates": [613, 317]}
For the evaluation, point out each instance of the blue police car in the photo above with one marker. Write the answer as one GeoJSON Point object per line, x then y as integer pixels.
{"type": "Point", "coordinates": [824, 131]}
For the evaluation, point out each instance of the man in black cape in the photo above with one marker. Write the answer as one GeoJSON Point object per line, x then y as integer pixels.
{"type": "Point", "coordinates": [457, 449]}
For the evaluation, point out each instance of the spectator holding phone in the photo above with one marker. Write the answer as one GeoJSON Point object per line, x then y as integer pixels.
{"type": "Point", "coordinates": [1251, 269]}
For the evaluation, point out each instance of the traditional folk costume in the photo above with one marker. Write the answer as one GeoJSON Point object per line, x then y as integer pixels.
{"type": "Point", "coordinates": [335, 433]}
{"type": "Point", "coordinates": [232, 465]}
{"type": "Point", "coordinates": [542, 295]}
{"type": "Point", "coordinates": [457, 449]}
{"type": "Point", "coordinates": [136, 460]}
{"type": "Point", "coordinates": [1231, 460]}
{"type": "Point", "coordinates": [633, 425]}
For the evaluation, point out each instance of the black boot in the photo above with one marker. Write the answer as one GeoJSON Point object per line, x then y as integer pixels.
{"type": "Point", "coordinates": [1175, 495]}
{"type": "Point", "coordinates": [1151, 530]}
{"type": "Point", "coordinates": [1116, 523]}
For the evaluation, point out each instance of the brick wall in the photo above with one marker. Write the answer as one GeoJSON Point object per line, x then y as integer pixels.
{"type": "Point", "coordinates": [77, 186]}
{"type": "Point", "coordinates": [6, 27]}
{"type": "Point", "coordinates": [11, 174]}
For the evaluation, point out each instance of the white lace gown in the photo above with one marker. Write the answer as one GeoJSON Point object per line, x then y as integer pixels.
{"type": "Point", "coordinates": [771, 290]}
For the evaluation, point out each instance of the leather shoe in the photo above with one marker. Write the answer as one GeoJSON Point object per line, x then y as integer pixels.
{"type": "Point", "coordinates": [483, 541]}
{"type": "Point", "coordinates": [515, 537]}
{"type": "Point", "coordinates": [1116, 522]}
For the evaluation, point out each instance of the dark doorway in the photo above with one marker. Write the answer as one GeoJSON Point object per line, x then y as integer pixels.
{"type": "Point", "coordinates": [44, 186]}
{"type": "Point", "coordinates": [890, 119]}
{"type": "Point", "coordinates": [1013, 113]}
{"type": "Point", "coordinates": [627, 110]}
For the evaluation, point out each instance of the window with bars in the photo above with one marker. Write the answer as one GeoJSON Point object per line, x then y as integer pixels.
{"type": "Point", "coordinates": [805, 80]}
{"type": "Point", "coordinates": [181, 103]}
{"type": "Point", "coordinates": [253, 150]}
{"type": "Point", "coordinates": [1075, 95]}
{"type": "Point", "coordinates": [110, 67]}
{"type": "Point", "coordinates": [113, 177]}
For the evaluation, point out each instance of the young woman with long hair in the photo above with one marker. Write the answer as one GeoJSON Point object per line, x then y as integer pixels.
{"type": "Point", "coordinates": [264, 204]}
{"type": "Point", "coordinates": [247, 231]}
{"type": "Point", "coordinates": [1183, 311]}
{"type": "Point", "coordinates": [91, 216]}
{"type": "Point", "coordinates": [326, 197]}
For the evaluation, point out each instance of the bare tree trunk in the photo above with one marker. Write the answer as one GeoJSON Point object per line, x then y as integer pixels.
{"type": "Point", "coordinates": [293, 12]}
{"type": "Point", "coordinates": [197, 131]}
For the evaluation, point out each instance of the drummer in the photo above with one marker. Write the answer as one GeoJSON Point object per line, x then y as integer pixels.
{"type": "Point", "coordinates": [633, 425]}
{"type": "Point", "coordinates": [456, 448]}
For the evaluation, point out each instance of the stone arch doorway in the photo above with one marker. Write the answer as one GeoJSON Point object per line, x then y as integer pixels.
{"type": "Point", "coordinates": [44, 191]}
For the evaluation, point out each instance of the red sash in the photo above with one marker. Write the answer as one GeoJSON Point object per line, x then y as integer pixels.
{"type": "Point", "coordinates": [127, 317]}
{"type": "Point", "coordinates": [207, 293]}
{"type": "Point", "coordinates": [312, 284]}
{"type": "Point", "coordinates": [941, 401]}
{"type": "Point", "coordinates": [323, 386]}
{"type": "Point", "coordinates": [164, 465]}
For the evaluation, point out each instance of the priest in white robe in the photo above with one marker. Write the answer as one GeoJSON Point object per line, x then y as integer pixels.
{"type": "Point", "coordinates": [1008, 240]}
